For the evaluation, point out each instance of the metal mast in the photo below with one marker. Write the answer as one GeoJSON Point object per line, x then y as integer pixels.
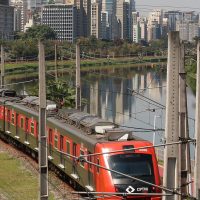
{"type": "Point", "coordinates": [197, 130]}
{"type": "Point", "coordinates": [171, 153]}
{"type": "Point", "coordinates": [183, 126]}
{"type": "Point", "coordinates": [2, 66]}
{"type": "Point", "coordinates": [78, 77]}
{"type": "Point", "coordinates": [56, 64]}
{"type": "Point", "coordinates": [43, 162]}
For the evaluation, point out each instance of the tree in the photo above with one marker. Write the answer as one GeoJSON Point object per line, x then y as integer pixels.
{"type": "Point", "coordinates": [42, 32]}
{"type": "Point", "coordinates": [61, 93]}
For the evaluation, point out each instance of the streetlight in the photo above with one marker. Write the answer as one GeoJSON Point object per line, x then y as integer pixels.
{"type": "Point", "coordinates": [154, 127]}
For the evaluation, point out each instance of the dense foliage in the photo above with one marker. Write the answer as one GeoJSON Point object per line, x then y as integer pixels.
{"type": "Point", "coordinates": [41, 32]}
{"type": "Point", "coordinates": [61, 93]}
{"type": "Point", "coordinates": [25, 46]}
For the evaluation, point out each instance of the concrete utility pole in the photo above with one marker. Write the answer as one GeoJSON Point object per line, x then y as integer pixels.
{"type": "Point", "coordinates": [78, 78]}
{"type": "Point", "coordinates": [2, 66]}
{"type": "Point", "coordinates": [197, 130]}
{"type": "Point", "coordinates": [43, 161]}
{"type": "Point", "coordinates": [171, 153]}
{"type": "Point", "coordinates": [183, 126]}
{"type": "Point", "coordinates": [56, 64]}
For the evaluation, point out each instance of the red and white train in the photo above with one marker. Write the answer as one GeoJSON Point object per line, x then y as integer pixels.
{"type": "Point", "coordinates": [102, 144]}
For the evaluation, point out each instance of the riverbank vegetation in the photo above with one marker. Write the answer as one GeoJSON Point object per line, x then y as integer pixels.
{"type": "Point", "coordinates": [25, 47]}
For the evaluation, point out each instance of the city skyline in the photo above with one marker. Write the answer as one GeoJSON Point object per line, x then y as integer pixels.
{"type": "Point", "coordinates": [146, 6]}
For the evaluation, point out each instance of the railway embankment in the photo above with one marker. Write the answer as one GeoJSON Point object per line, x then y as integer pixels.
{"type": "Point", "coordinates": [19, 177]}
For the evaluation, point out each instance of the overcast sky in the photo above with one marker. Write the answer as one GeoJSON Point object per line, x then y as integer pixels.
{"type": "Point", "coordinates": [186, 5]}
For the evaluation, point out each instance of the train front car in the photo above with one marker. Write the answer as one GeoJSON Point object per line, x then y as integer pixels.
{"type": "Point", "coordinates": [133, 166]}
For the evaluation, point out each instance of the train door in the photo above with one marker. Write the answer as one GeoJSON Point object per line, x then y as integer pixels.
{"type": "Point", "coordinates": [17, 124]}
{"type": "Point", "coordinates": [37, 135]}
{"type": "Point", "coordinates": [89, 169]}
{"type": "Point", "coordinates": [26, 129]}
{"type": "Point", "coordinates": [61, 149]}
{"type": "Point", "coordinates": [50, 142]}
{"type": "Point", "coordinates": [8, 120]}
{"type": "Point", "coordinates": [74, 154]}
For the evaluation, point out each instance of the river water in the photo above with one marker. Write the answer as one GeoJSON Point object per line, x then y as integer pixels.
{"type": "Point", "coordinates": [133, 97]}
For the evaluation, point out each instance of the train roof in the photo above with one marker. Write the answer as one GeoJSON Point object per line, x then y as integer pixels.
{"type": "Point", "coordinates": [77, 123]}
{"type": "Point", "coordinates": [82, 118]}
{"type": "Point", "coordinates": [34, 101]}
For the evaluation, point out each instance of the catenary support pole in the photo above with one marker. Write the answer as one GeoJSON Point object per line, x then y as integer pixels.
{"type": "Point", "coordinates": [197, 130]}
{"type": "Point", "coordinates": [56, 64]}
{"type": "Point", "coordinates": [78, 78]}
{"type": "Point", "coordinates": [43, 162]}
{"type": "Point", "coordinates": [185, 166]}
{"type": "Point", "coordinates": [171, 153]}
{"type": "Point", "coordinates": [2, 66]}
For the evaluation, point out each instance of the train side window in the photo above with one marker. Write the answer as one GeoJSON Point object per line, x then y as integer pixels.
{"type": "Point", "coordinates": [37, 130]}
{"type": "Point", "coordinates": [82, 164]}
{"type": "Point", "coordinates": [32, 128]}
{"type": "Point", "coordinates": [2, 112]}
{"type": "Point", "coordinates": [50, 136]}
{"type": "Point", "coordinates": [68, 148]}
{"type": "Point", "coordinates": [98, 163]}
{"type": "Point", "coordinates": [61, 142]}
{"type": "Point", "coordinates": [8, 115]}
{"type": "Point", "coordinates": [26, 125]}
{"type": "Point", "coordinates": [13, 119]}
{"type": "Point", "coordinates": [22, 122]}
{"type": "Point", "coordinates": [74, 149]}
{"type": "Point", "coordinates": [56, 141]}
{"type": "Point", "coordinates": [90, 160]}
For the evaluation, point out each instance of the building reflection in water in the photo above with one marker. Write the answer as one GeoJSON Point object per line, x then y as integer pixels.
{"type": "Point", "coordinates": [110, 97]}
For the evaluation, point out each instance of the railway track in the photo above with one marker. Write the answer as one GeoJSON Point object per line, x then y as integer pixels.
{"type": "Point", "coordinates": [60, 189]}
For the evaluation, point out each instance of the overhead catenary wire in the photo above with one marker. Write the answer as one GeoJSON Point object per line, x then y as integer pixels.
{"type": "Point", "coordinates": [125, 175]}
{"type": "Point", "coordinates": [108, 91]}
{"type": "Point", "coordinates": [163, 188]}
{"type": "Point", "coordinates": [78, 158]}
{"type": "Point", "coordinates": [133, 149]}
{"type": "Point", "coordinates": [21, 82]}
{"type": "Point", "coordinates": [173, 191]}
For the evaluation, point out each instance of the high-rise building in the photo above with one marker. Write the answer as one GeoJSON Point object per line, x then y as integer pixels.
{"type": "Point", "coordinates": [122, 8]}
{"type": "Point", "coordinates": [108, 13]}
{"type": "Point", "coordinates": [131, 10]}
{"type": "Point", "coordinates": [193, 31]}
{"type": "Point", "coordinates": [62, 19]}
{"type": "Point", "coordinates": [96, 20]}
{"type": "Point", "coordinates": [132, 5]}
{"type": "Point", "coordinates": [86, 17]}
{"type": "Point", "coordinates": [135, 28]}
{"type": "Point", "coordinates": [104, 26]}
{"type": "Point", "coordinates": [32, 4]}
{"type": "Point", "coordinates": [83, 17]}
{"type": "Point", "coordinates": [107, 5]}
{"type": "Point", "coordinates": [4, 2]}
{"type": "Point", "coordinates": [18, 16]}
{"type": "Point", "coordinates": [155, 22]}
{"type": "Point", "coordinates": [188, 30]}
{"type": "Point", "coordinates": [173, 16]}
{"type": "Point", "coordinates": [6, 20]}
{"type": "Point", "coordinates": [143, 29]}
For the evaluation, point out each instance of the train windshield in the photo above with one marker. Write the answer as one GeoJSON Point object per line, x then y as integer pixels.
{"type": "Point", "coordinates": [136, 165]}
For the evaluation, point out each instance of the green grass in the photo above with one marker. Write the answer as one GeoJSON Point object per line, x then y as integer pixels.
{"type": "Point", "coordinates": [16, 182]}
